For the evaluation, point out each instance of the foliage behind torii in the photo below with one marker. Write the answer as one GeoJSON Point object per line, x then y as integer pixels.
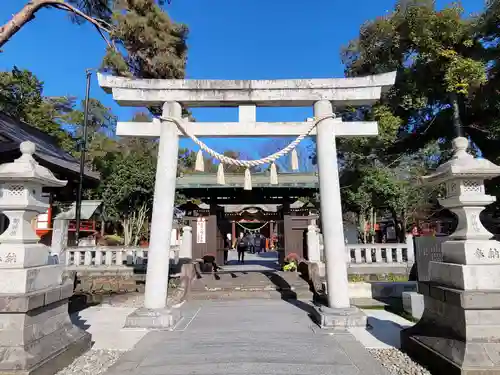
{"type": "Point", "coordinates": [440, 56]}
{"type": "Point", "coordinates": [141, 39]}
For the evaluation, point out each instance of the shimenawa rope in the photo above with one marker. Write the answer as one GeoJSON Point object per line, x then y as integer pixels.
{"type": "Point", "coordinates": [247, 163]}
{"type": "Point", "coordinates": [254, 229]}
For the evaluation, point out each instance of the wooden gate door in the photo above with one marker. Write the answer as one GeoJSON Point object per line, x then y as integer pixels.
{"type": "Point", "coordinates": [296, 234]}
{"type": "Point", "coordinates": [223, 228]}
{"type": "Point", "coordinates": [203, 243]}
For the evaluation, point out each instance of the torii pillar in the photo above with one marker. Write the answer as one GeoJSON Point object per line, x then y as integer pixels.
{"type": "Point", "coordinates": [322, 94]}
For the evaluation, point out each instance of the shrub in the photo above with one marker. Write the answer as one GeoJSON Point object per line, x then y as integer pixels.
{"type": "Point", "coordinates": [292, 258]}
{"type": "Point", "coordinates": [290, 267]}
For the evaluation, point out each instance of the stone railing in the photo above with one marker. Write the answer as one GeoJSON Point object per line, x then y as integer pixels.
{"type": "Point", "coordinates": [380, 258]}
{"type": "Point", "coordinates": [379, 253]}
{"type": "Point", "coordinates": [94, 257]}
{"type": "Point", "coordinates": [377, 258]}
{"type": "Point", "coordinates": [105, 269]}
{"type": "Point", "coordinates": [109, 256]}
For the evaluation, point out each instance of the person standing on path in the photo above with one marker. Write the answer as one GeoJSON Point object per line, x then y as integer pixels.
{"type": "Point", "coordinates": [241, 247]}
{"type": "Point", "coordinates": [251, 242]}
{"type": "Point", "coordinates": [257, 243]}
{"type": "Point", "coordinates": [263, 242]}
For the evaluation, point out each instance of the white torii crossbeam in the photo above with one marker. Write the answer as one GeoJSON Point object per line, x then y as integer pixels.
{"type": "Point", "coordinates": [245, 129]}
{"type": "Point", "coordinates": [322, 94]}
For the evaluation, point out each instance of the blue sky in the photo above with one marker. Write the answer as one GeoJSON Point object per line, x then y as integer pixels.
{"type": "Point", "coordinates": [229, 39]}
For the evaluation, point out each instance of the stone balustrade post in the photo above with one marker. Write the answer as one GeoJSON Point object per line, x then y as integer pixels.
{"type": "Point", "coordinates": [36, 328]}
{"type": "Point", "coordinates": [313, 251]}
{"type": "Point", "coordinates": [410, 246]}
{"type": "Point", "coordinates": [59, 240]}
{"type": "Point", "coordinates": [186, 248]}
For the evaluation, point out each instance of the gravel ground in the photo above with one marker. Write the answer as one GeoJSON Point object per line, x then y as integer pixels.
{"type": "Point", "coordinates": [135, 300]}
{"type": "Point", "coordinates": [124, 300]}
{"type": "Point", "coordinates": [397, 362]}
{"type": "Point", "coordinates": [93, 362]}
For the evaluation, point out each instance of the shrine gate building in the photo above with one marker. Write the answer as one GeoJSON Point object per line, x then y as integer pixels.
{"type": "Point", "coordinates": [273, 210]}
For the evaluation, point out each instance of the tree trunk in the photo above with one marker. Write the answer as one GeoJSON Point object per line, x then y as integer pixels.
{"type": "Point", "coordinates": [457, 123]}
{"type": "Point", "coordinates": [22, 17]}
{"type": "Point", "coordinates": [127, 230]}
{"type": "Point", "coordinates": [27, 13]}
{"type": "Point", "coordinates": [138, 224]}
{"type": "Point", "coordinates": [404, 221]}
{"type": "Point", "coordinates": [396, 226]}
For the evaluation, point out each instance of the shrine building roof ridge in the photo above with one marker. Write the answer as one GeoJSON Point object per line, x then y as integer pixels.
{"type": "Point", "coordinates": [270, 92]}
{"type": "Point", "coordinates": [14, 131]}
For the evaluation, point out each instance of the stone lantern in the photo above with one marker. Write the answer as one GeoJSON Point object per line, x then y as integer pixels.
{"type": "Point", "coordinates": [459, 332]}
{"type": "Point", "coordinates": [36, 332]}
{"type": "Point", "coordinates": [21, 201]}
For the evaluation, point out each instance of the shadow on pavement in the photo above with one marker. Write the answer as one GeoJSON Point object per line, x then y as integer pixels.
{"type": "Point", "coordinates": [287, 294]}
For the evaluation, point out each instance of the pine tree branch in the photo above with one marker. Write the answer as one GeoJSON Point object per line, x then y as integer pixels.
{"type": "Point", "coordinates": [27, 14]}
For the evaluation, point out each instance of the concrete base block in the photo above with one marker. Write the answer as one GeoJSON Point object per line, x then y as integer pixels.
{"type": "Point", "coordinates": [47, 357]}
{"type": "Point", "coordinates": [162, 319]}
{"type": "Point", "coordinates": [443, 354]}
{"type": "Point", "coordinates": [28, 280]}
{"type": "Point", "coordinates": [466, 276]}
{"type": "Point", "coordinates": [458, 333]}
{"type": "Point", "coordinates": [37, 335]}
{"type": "Point", "coordinates": [381, 289]}
{"type": "Point", "coordinates": [329, 318]}
{"type": "Point", "coordinates": [413, 304]}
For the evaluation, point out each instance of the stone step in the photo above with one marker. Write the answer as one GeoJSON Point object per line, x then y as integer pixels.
{"type": "Point", "coordinates": [250, 285]}
{"type": "Point", "coordinates": [249, 294]}
{"type": "Point", "coordinates": [250, 281]}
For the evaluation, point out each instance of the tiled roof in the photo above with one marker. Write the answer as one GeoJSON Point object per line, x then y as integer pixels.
{"type": "Point", "coordinates": [13, 132]}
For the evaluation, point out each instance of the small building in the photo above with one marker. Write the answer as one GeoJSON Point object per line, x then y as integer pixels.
{"type": "Point", "coordinates": [64, 166]}
{"type": "Point", "coordinates": [90, 212]}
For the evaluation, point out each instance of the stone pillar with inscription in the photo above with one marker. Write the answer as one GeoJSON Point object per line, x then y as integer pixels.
{"type": "Point", "coordinates": [59, 240]}
{"type": "Point", "coordinates": [459, 332]}
{"type": "Point", "coordinates": [36, 333]}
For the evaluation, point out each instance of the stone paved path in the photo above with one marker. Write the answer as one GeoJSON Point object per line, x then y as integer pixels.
{"type": "Point", "coordinates": [247, 337]}
{"type": "Point", "coordinates": [266, 261]}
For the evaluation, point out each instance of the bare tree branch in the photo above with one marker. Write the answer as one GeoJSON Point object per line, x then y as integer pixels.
{"type": "Point", "coordinates": [27, 13]}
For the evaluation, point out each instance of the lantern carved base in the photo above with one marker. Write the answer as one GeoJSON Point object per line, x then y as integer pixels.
{"type": "Point", "coordinates": [459, 332]}
{"type": "Point", "coordinates": [27, 280]}
{"type": "Point", "coordinates": [21, 255]}
{"type": "Point", "coordinates": [37, 335]}
{"type": "Point", "coordinates": [466, 276]}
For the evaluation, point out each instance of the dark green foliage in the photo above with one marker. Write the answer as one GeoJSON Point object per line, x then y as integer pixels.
{"type": "Point", "coordinates": [101, 9]}
{"type": "Point", "coordinates": [150, 44]}
{"type": "Point", "coordinates": [440, 55]}
{"type": "Point", "coordinates": [141, 39]}
{"type": "Point", "coordinates": [436, 53]}
{"type": "Point", "coordinates": [129, 185]}
{"type": "Point", "coordinates": [21, 96]}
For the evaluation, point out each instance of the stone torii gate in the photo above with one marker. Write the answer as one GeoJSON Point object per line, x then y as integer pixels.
{"type": "Point", "coordinates": [323, 94]}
